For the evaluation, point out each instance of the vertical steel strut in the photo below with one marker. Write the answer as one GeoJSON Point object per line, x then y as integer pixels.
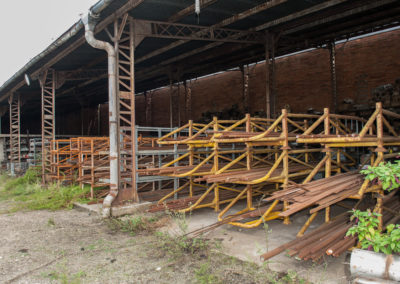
{"type": "Point", "coordinates": [48, 83]}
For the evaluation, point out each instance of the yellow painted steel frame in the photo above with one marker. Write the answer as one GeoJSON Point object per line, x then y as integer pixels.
{"type": "Point", "coordinates": [358, 140]}
{"type": "Point", "coordinates": [282, 140]}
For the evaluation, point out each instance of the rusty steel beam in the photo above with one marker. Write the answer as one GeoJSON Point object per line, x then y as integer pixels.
{"type": "Point", "coordinates": [332, 61]}
{"type": "Point", "coordinates": [299, 14]}
{"type": "Point", "coordinates": [48, 84]}
{"type": "Point", "coordinates": [225, 22]}
{"type": "Point", "coordinates": [15, 128]}
{"type": "Point", "coordinates": [157, 29]}
{"type": "Point", "coordinates": [188, 100]}
{"type": "Point", "coordinates": [125, 46]}
{"type": "Point", "coordinates": [148, 100]}
{"type": "Point", "coordinates": [267, 78]}
{"type": "Point", "coordinates": [325, 20]}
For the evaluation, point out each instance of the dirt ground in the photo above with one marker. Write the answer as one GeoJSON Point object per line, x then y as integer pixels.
{"type": "Point", "coordinates": [72, 246]}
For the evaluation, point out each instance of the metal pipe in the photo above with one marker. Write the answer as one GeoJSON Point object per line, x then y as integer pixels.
{"type": "Point", "coordinates": [90, 24]}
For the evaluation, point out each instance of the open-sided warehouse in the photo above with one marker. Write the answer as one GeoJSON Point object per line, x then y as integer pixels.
{"type": "Point", "coordinates": [216, 103]}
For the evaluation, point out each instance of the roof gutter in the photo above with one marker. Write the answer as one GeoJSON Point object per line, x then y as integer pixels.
{"type": "Point", "coordinates": [94, 10]}
{"type": "Point", "coordinates": [90, 22]}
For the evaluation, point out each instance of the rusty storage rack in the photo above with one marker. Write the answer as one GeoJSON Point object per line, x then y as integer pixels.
{"type": "Point", "coordinates": [256, 146]}
{"type": "Point", "coordinates": [64, 161]}
{"type": "Point", "coordinates": [201, 158]}
{"type": "Point", "coordinates": [93, 162]}
{"type": "Point", "coordinates": [85, 160]}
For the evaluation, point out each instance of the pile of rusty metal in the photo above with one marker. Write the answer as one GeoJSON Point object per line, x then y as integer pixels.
{"type": "Point", "coordinates": [322, 192]}
{"type": "Point", "coordinates": [330, 238]}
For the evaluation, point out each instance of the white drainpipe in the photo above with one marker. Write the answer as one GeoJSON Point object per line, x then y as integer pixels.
{"type": "Point", "coordinates": [90, 24]}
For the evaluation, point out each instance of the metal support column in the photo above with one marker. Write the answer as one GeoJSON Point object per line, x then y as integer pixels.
{"type": "Point", "coordinates": [272, 77]}
{"type": "Point", "coordinates": [148, 97]}
{"type": "Point", "coordinates": [188, 101]}
{"type": "Point", "coordinates": [245, 80]}
{"type": "Point", "coordinates": [332, 53]}
{"type": "Point", "coordinates": [48, 84]}
{"type": "Point", "coordinates": [267, 79]}
{"type": "Point", "coordinates": [15, 131]}
{"type": "Point", "coordinates": [125, 46]}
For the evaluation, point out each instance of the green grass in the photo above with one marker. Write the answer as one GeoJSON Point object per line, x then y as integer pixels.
{"type": "Point", "coordinates": [133, 225]}
{"type": "Point", "coordinates": [28, 193]}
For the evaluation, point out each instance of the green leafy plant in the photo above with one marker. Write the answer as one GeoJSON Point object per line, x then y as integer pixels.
{"type": "Point", "coordinates": [371, 237]}
{"type": "Point", "coordinates": [387, 174]}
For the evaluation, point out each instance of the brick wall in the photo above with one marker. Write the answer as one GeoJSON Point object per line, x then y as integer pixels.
{"type": "Point", "coordinates": [302, 81]}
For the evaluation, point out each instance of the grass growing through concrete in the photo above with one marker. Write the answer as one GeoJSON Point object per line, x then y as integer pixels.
{"type": "Point", "coordinates": [136, 224]}
{"type": "Point", "coordinates": [28, 194]}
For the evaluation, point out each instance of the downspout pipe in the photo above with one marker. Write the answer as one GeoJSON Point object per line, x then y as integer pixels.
{"type": "Point", "coordinates": [90, 22]}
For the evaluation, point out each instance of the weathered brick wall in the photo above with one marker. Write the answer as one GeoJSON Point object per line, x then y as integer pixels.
{"type": "Point", "coordinates": [302, 81]}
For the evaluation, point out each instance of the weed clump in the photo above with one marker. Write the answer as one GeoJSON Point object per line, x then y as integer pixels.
{"type": "Point", "coordinates": [135, 225]}
{"type": "Point", "coordinates": [28, 193]}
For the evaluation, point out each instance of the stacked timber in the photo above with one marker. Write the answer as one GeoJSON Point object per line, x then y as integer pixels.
{"type": "Point", "coordinates": [322, 192]}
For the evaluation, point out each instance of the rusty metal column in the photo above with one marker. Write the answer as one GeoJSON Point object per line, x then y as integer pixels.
{"type": "Point", "coordinates": [267, 79]}
{"type": "Point", "coordinates": [125, 48]}
{"type": "Point", "coordinates": [15, 131]}
{"type": "Point", "coordinates": [148, 97]}
{"type": "Point", "coordinates": [48, 84]}
{"type": "Point", "coordinates": [272, 75]}
{"type": "Point", "coordinates": [188, 101]}
{"type": "Point", "coordinates": [332, 53]}
{"type": "Point", "coordinates": [171, 122]}
{"type": "Point", "coordinates": [245, 80]}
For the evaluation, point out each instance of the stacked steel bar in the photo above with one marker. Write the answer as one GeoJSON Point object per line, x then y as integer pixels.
{"type": "Point", "coordinates": [322, 192]}
{"type": "Point", "coordinates": [330, 238]}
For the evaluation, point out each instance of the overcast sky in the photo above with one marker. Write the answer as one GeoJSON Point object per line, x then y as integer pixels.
{"type": "Point", "coordinates": [27, 27]}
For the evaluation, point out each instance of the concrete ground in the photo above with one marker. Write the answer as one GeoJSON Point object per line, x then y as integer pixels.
{"type": "Point", "coordinates": [75, 246]}
{"type": "Point", "coordinates": [249, 244]}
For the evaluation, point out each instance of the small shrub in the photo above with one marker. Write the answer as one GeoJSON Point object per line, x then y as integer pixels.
{"type": "Point", "coordinates": [371, 237]}
{"type": "Point", "coordinates": [388, 174]}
